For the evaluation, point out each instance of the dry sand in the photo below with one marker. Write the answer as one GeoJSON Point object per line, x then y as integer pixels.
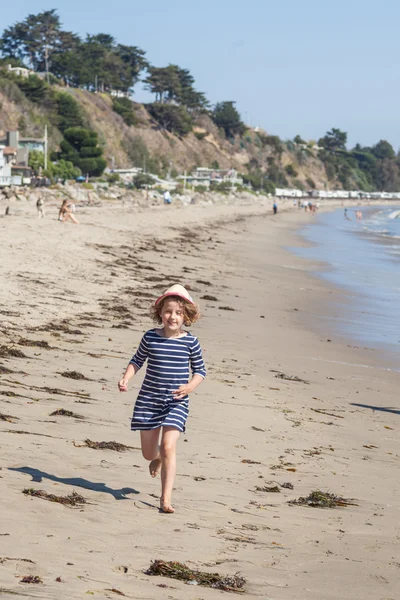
{"type": "Point", "coordinates": [85, 291]}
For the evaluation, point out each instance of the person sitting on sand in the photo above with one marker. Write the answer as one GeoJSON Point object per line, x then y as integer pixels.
{"type": "Point", "coordinates": [66, 212]}
{"type": "Point", "coordinates": [162, 404]}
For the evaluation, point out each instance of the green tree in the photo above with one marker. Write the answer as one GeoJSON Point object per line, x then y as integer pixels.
{"type": "Point", "coordinates": [383, 150]}
{"type": "Point", "coordinates": [80, 146]}
{"type": "Point", "coordinates": [62, 169]}
{"type": "Point", "coordinates": [68, 110]}
{"type": "Point", "coordinates": [298, 140]}
{"type": "Point", "coordinates": [36, 160]}
{"type": "Point", "coordinates": [226, 116]}
{"type": "Point", "coordinates": [124, 107]}
{"type": "Point", "coordinates": [142, 180]}
{"type": "Point", "coordinates": [334, 140]}
{"type": "Point", "coordinates": [33, 39]}
{"type": "Point", "coordinates": [173, 118]}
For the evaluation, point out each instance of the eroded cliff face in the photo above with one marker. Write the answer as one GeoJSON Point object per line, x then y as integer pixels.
{"type": "Point", "coordinates": [124, 145]}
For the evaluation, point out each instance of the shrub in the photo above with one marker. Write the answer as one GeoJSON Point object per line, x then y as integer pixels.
{"type": "Point", "coordinates": [201, 189]}
{"type": "Point", "coordinates": [68, 110]}
{"type": "Point", "coordinates": [36, 160]}
{"type": "Point", "coordinates": [80, 147]}
{"type": "Point", "coordinates": [62, 170]}
{"type": "Point", "coordinates": [291, 171]}
{"type": "Point", "coordinates": [299, 185]}
{"type": "Point", "coordinates": [113, 178]}
{"type": "Point", "coordinates": [34, 88]}
{"type": "Point", "coordinates": [124, 107]}
{"type": "Point", "coordinates": [200, 135]}
{"type": "Point", "coordinates": [174, 119]}
{"type": "Point", "coordinates": [142, 180]}
{"type": "Point", "coordinates": [273, 141]}
{"type": "Point", "coordinates": [310, 182]}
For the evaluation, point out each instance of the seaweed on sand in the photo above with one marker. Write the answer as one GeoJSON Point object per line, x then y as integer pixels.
{"type": "Point", "coordinates": [8, 418]}
{"type": "Point", "coordinates": [31, 579]}
{"type": "Point", "coordinates": [105, 446]}
{"type": "Point", "coordinates": [10, 351]}
{"type": "Point", "coordinates": [210, 298]}
{"type": "Point", "coordinates": [176, 570]}
{"type": "Point", "coordinates": [74, 375]}
{"type": "Point", "coordinates": [62, 412]}
{"type": "Point", "coordinates": [58, 327]}
{"type": "Point", "coordinates": [320, 499]}
{"type": "Point", "coordinates": [35, 343]}
{"type": "Point", "coordinates": [4, 370]}
{"type": "Point", "coordinates": [73, 499]}
{"type": "Point", "coordinates": [280, 375]}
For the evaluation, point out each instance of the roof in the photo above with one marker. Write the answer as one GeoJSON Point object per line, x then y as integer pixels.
{"type": "Point", "coordinates": [31, 139]}
{"type": "Point", "coordinates": [21, 168]}
{"type": "Point", "coordinates": [9, 150]}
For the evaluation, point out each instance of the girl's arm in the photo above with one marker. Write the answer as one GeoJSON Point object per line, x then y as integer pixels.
{"type": "Point", "coordinates": [131, 370]}
{"type": "Point", "coordinates": [198, 371]}
{"type": "Point", "coordinates": [135, 364]}
{"type": "Point", "coordinates": [188, 388]}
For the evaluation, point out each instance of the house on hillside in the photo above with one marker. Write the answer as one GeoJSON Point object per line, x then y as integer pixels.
{"type": "Point", "coordinates": [20, 71]}
{"type": "Point", "coordinates": [7, 177]}
{"type": "Point", "coordinates": [17, 148]}
{"type": "Point", "coordinates": [205, 176]}
{"type": "Point", "coordinates": [14, 140]}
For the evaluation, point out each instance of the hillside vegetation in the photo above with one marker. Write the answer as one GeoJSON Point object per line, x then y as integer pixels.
{"type": "Point", "coordinates": [93, 122]}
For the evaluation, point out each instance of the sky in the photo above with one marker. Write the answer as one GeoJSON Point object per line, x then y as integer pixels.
{"type": "Point", "coordinates": [292, 66]}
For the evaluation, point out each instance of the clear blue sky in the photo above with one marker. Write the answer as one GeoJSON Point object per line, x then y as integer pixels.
{"type": "Point", "coordinates": [293, 66]}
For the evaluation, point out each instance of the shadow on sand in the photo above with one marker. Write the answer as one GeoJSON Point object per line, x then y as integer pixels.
{"type": "Point", "coordinates": [38, 475]}
{"type": "Point", "coordinates": [395, 411]}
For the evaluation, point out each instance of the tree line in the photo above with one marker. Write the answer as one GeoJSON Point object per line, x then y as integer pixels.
{"type": "Point", "coordinates": [99, 63]}
{"type": "Point", "coordinates": [365, 168]}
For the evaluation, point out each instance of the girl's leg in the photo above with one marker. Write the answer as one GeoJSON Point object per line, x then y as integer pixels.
{"type": "Point", "coordinates": [151, 450]}
{"type": "Point", "coordinates": [169, 439]}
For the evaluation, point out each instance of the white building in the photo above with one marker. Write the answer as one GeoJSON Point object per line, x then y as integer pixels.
{"type": "Point", "coordinates": [20, 71]}
{"type": "Point", "coordinates": [6, 177]}
{"type": "Point", "coordinates": [205, 176]}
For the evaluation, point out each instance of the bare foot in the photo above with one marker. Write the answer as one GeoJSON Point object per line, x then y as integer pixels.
{"type": "Point", "coordinates": [155, 467]}
{"type": "Point", "coordinates": [166, 507]}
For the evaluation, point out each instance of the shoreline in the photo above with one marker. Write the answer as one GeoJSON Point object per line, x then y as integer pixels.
{"type": "Point", "coordinates": [247, 427]}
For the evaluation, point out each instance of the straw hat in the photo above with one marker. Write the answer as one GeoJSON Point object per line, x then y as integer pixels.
{"type": "Point", "coordinates": [176, 290]}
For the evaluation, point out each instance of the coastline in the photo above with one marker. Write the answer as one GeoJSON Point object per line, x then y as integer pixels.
{"type": "Point", "coordinates": [314, 435]}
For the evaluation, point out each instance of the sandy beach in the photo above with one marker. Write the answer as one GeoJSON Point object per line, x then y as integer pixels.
{"type": "Point", "coordinates": [74, 299]}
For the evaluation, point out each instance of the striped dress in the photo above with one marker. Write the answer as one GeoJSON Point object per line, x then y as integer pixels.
{"type": "Point", "coordinates": [169, 360]}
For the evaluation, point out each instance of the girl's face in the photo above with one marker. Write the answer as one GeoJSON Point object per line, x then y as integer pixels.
{"type": "Point", "coordinates": [172, 316]}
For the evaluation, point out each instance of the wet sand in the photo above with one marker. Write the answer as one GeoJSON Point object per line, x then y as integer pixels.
{"type": "Point", "coordinates": [84, 291]}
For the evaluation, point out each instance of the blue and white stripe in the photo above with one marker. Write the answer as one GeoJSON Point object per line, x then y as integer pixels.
{"type": "Point", "coordinates": [169, 361]}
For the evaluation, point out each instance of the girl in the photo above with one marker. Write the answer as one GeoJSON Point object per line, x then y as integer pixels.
{"type": "Point", "coordinates": [163, 403]}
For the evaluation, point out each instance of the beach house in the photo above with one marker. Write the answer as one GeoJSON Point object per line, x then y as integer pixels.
{"type": "Point", "coordinates": [7, 177]}
{"type": "Point", "coordinates": [205, 176]}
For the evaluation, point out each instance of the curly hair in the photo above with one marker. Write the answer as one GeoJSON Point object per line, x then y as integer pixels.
{"type": "Point", "coordinates": [191, 312]}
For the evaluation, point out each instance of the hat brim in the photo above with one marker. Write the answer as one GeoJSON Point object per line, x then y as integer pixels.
{"type": "Point", "coordinates": [176, 294]}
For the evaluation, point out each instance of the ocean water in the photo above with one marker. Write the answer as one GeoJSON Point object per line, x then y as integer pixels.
{"type": "Point", "coordinates": [362, 257]}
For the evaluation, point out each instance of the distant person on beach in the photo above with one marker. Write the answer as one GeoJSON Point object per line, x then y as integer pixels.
{"type": "Point", "coordinates": [167, 197]}
{"type": "Point", "coordinates": [346, 216]}
{"type": "Point", "coordinates": [66, 212]}
{"type": "Point", "coordinates": [275, 208]}
{"type": "Point", "coordinates": [162, 404]}
{"type": "Point", "coordinates": [40, 207]}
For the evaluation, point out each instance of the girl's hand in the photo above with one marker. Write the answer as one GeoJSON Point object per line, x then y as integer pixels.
{"type": "Point", "coordinates": [123, 385]}
{"type": "Point", "coordinates": [182, 391]}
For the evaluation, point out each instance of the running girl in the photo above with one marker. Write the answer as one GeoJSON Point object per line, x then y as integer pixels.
{"type": "Point", "coordinates": [162, 404]}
